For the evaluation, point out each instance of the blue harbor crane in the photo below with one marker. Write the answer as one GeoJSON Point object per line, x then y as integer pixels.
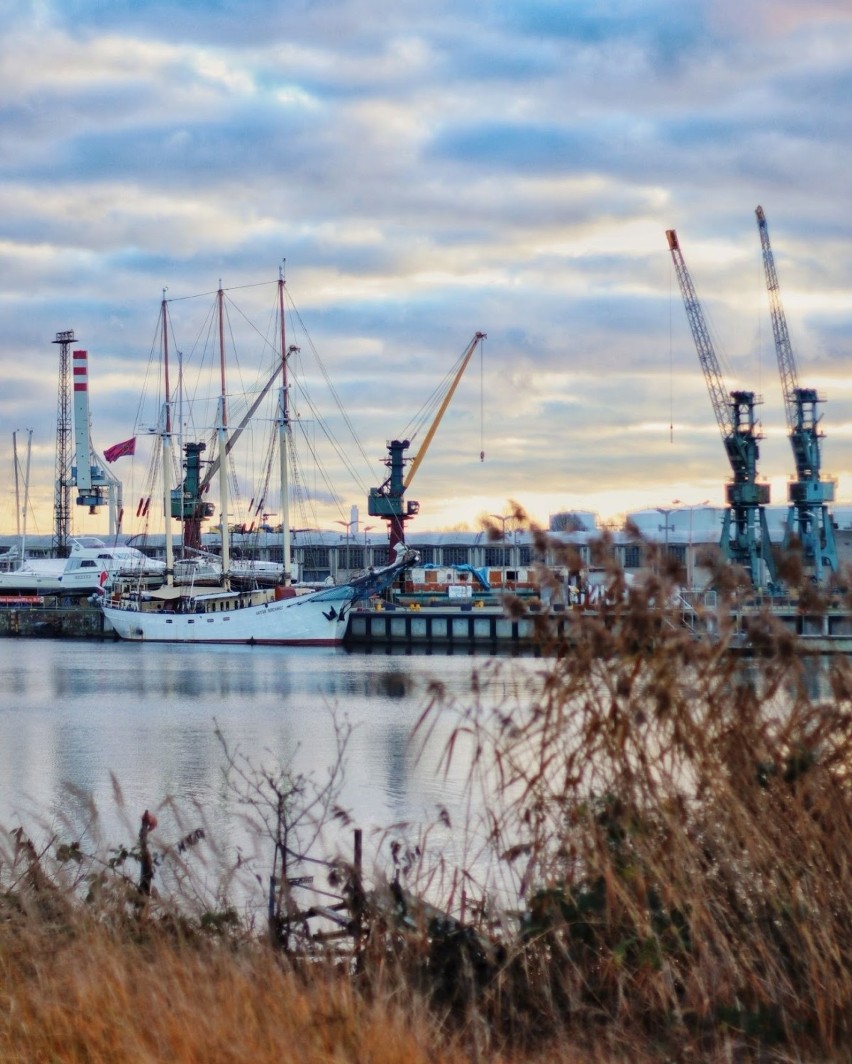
{"type": "Point", "coordinates": [745, 535]}
{"type": "Point", "coordinates": [808, 517]}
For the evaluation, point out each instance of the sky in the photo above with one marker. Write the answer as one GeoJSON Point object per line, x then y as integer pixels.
{"type": "Point", "coordinates": [427, 171]}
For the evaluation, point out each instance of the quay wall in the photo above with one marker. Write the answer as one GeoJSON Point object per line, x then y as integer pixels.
{"type": "Point", "coordinates": [459, 627]}
{"type": "Point", "coordinates": [452, 626]}
{"type": "Point", "coordinates": [78, 621]}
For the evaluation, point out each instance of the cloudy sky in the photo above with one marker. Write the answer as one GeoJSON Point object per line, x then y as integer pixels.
{"type": "Point", "coordinates": [427, 171]}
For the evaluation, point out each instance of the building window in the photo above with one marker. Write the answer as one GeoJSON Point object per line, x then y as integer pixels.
{"type": "Point", "coordinates": [456, 555]}
{"type": "Point", "coordinates": [350, 558]}
{"type": "Point", "coordinates": [497, 556]}
{"type": "Point", "coordinates": [381, 556]}
{"type": "Point", "coordinates": [632, 557]}
{"type": "Point", "coordinates": [678, 554]}
{"type": "Point", "coordinates": [315, 558]}
{"type": "Point", "coordinates": [427, 554]}
{"type": "Point", "coordinates": [524, 554]}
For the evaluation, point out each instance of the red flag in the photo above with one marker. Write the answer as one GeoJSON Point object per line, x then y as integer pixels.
{"type": "Point", "coordinates": [119, 450]}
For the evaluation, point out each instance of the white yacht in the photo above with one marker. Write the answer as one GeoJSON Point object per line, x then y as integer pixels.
{"type": "Point", "coordinates": [87, 569]}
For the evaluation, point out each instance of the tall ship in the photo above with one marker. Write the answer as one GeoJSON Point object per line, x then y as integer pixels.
{"type": "Point", "coordinates": [234, 609]}
{"type": "Point", "coordinates": [280, 615]}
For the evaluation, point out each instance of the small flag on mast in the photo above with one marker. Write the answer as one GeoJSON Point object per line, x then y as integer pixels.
{"type": "Point", "coordinates": [119, 450]}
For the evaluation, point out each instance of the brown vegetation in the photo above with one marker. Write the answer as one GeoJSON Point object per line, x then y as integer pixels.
{"type": "Point", "coordinates": [663, 871]}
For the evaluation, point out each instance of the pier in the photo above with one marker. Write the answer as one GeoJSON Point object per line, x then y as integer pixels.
{"type": "Point", "coordinates": [466, 625]}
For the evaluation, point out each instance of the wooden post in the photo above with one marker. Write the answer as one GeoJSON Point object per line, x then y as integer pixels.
{"type": "Point", "coordinates": [146, 875]}
{"type": "Point", "coordinates": [270, 909]}
{"type": "Point", "coordinates": [357, 894]}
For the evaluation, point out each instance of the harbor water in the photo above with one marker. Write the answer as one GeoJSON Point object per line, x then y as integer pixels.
{"type": "Point", "coordinates": [92, 734]}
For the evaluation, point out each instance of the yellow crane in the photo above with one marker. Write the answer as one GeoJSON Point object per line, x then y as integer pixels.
{"type": "Point", "coordinates": [387, 501]}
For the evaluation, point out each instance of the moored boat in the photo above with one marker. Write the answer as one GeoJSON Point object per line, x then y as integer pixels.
{"type": "Point", "coordinates": [180, 614]}
{"type": "Point", "coordinates": [234, 606]}
{"type": "Point", "coordinates": [87, 569]}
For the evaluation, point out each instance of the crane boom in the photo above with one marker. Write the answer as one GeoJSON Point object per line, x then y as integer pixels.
{"type": "Point", "coordinates": [238, 431]}
{"type": "Point", "coordinates": [433, 428]}
{"type": "Point", "coordinates": [388, 500]}
{"type": "Point", "coordinates": [808, 518]}
{"type": "Point", "coordinates": [783, 347]}
{"type": "Point", "coordinates": [187, 503]}
{"type": "Point", "coordinates": [745, 535]}
{"type": "Point", "coordinates": [701, 334]}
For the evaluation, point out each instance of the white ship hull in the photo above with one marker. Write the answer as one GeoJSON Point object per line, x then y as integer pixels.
{"type": "Point", "coordinates": [306, 620]}
{"type": "Point", "coordinates": [184, 615]}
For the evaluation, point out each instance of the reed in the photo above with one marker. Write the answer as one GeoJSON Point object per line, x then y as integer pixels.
{"type": "Point", "coordinates": [673, 823]}
{"type": "Point", "coordinates": [662, 871]}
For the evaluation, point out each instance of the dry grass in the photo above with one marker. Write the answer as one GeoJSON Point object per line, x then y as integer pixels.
{"type": "Point", "coordinates": [90, 996]}
{"type": "Point", "coordinates": [663, 872]}
{"type": "Point", "coordinates": [83, 995]}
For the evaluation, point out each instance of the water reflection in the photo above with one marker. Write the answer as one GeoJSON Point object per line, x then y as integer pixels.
{"type": "Point", "coordinates": [76, 716]}
{"type": "Point", "coordinates": [73, 716]}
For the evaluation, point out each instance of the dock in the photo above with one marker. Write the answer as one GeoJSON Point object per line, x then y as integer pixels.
{"type": "Point", "coordinates": [462, 627]}
{"type": "Point", "coordinates": [465, 625]}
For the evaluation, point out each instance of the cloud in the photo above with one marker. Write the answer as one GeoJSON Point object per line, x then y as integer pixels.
{"type": "Point", "coordinates": [427, 172]}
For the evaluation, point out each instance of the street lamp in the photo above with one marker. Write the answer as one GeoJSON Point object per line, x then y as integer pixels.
{"type": "Point", "coordinates": [690, 561]}
{"type": "Point", "coordinates": [348, 526]}
{"type": "Point", "coordinates": [665, 511]}
{"type": "Point", "coordinates": [365, 530]}
{"type": "Point", "coordinates": [503, 518]}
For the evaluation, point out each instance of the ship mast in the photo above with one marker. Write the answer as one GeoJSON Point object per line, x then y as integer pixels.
{"type": "Point", "coordinates": [21, 511]}
{"type": "Point", "coordinates": [284, 440]}
{"type": "Point", "coordinates": [167, 451]}
{"type": "Point", "coordinates": [222, 431]}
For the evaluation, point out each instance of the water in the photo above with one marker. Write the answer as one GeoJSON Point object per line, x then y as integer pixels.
{"type": "Point", "coordinates": [91, 734]}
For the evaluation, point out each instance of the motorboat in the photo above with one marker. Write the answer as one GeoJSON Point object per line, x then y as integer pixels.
{"type": "Point", "coordinates": [89, 566]}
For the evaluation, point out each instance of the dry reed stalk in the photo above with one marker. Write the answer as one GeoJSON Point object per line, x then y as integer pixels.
{"type": "Point", "coordinates": [678, 823]}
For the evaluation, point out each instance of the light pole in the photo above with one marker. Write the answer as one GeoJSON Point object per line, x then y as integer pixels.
{"type": "Point", "coordinates": [665, 511]}
{"type": "Point", "coordinates": [690, 562]}
{"type": "Point", "coordinates": [348, 526]}
{"type": "Point", "coordinates": [366, 529]}
{"type": "Point", "coordinates": [503, 518]}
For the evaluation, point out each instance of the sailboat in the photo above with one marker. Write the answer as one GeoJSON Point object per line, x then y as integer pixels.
{"type": "Point", "coordinates": [186, 613]}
